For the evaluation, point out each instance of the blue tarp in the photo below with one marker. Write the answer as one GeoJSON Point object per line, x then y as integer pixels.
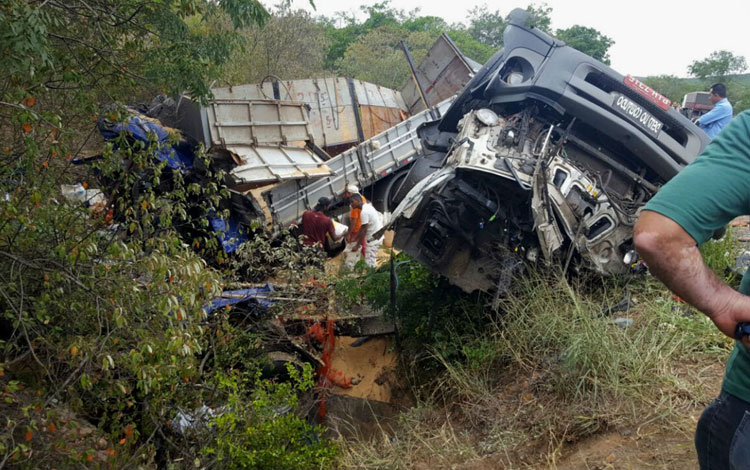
{"type": "Point", "coordinates": [178, 156]}
{"type": "Point", "coordinates": [232, 297]}
{"type": "Point", "coordinates": [230, 234]}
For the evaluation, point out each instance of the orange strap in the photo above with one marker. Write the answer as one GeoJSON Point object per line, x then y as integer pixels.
{"type": "Point", "coordinates": [356, 220]}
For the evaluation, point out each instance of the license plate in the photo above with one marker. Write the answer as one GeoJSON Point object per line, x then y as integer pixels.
{"type": "Point", "coordinates": [637, 114]}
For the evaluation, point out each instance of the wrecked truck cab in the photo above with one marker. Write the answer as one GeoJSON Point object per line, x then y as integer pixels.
{"type": "Point", "coordinates": [546, 156]}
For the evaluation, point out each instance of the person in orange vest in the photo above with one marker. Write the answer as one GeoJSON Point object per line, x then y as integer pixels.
{"type": "Point", "coordinates": [355, 221]}
{"type": "Point", "coordinates": [371, 222]}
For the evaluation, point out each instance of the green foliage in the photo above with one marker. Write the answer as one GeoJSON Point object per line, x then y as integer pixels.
{"type": "Point", "coordinates": [260, 430]}
{"type": "Point", "coordinates": [718, 66]}
{"type": "Point", "coordinates": [721, 255]}
{"type": "Point", "coordinates": [263, 257]}
{"type": "Point", "coordinates": [672, 87]}
{"type": "Point", "coordinates": [579, 357]}
{"type": "Point", "coordinates": [23, 35]}
{"type": "Point", "coordinates": [587, 40]}
{"type": "Point", "coordinates": [349, 29]}
{"type": "Point", "coordinates": [425, 23]}
{"type": "Point", "coordinates": [377, 57]}
{"type": "Point", "coordinates": [369, 51]}
{"type": "Point", "coordinates": [339, 38]}
{"type": "Point", "coordinates": [470, 47]}
{"type": "Point", "coordinates": [290, 45]}
{"type": "Point", "coordinates": [552, 348]}
{"type": "Point", "coordinates": [547, 322]}
{"type": "Point", "coordinates": [111, 45]}
{"type": "Point", "coordinates": [542, 18]}
{"type": "Point", "coordinates": [486, 26]}
{"type": "Point", "coordinates": [101, 308]}
{"type": "Point", "coordinates": [429, 311]}
{"type": "Point", "coordinates": [244, 13]}
{"type": "Point", "coordinates": [739, 94]}
{"type": "Point", "coordinates": [738, 90]}
{"type": "Point", "coordinates": [110, 320]}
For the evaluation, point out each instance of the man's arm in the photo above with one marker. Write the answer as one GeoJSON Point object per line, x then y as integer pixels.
{"type": "Point", "coordinates": [673, 257]}
{"type": "Point", "coordinates": [361, 235]}
{"type": "Point", "coordinates": [718, 112]}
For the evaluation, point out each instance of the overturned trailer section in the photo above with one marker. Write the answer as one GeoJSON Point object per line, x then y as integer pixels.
{"type": "Point", "coordinates": [286, 143]}
{"type": "Point", "coordinates": [442, 73]}
{"type": "Point", "coordinates": [547, 156]}
{"type": "Point", "coordinates": [372, 161]}
{"type": "Point", "coordinates": [341, 112]}
{"type": "Point", "coordinates": [383, 162]}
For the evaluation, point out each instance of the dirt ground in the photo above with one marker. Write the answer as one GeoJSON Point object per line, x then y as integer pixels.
{"type": "Point", "coordinates": [624, 450]}
{"type": "Point", "coordinates": [372, 365]}
{"type": "Point", "coordinates": [663, 444]}
{"type": "Point", "coordinates": [649, 449]}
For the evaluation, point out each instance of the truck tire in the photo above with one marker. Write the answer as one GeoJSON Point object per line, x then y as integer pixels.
{"type": "Point", "coordinates": [384, 191]}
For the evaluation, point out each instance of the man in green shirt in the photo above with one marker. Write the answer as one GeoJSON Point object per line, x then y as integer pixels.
{"type": "Point", "coordinates": [702, 198]}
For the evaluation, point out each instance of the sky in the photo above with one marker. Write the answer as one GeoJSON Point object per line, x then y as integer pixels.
{"type": "Point", "coordinates": [652, 37]}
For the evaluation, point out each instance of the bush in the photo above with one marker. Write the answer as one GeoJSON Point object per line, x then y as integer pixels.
{"type": "Point", "coordinates": [721, 256]}
{"type": "Point", "coordinates": [260, 430]}
{"type": "Point", "coordinates": [430, 312]}
{"type": "Point", "coordinates": [264, 256]}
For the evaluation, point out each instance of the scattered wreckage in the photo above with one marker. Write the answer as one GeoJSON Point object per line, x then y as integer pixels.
{"type": "Point", "coordinates": [543, 155]}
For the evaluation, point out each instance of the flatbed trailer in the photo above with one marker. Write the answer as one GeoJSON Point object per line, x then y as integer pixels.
{"type": "Point", "coordinates": [364, 165]}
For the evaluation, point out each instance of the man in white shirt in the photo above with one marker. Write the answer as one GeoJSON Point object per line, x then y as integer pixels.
{"type": "Point", "coordinates": [372, 222]}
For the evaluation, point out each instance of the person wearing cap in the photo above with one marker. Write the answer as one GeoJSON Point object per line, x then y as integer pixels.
{"type": "Point", "coordinates": [371, 221]}
{"type": "Point", "coordinates": [316, 226]}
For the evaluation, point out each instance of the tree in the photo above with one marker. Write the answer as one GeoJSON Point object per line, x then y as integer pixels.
{"type": "Point", "coordinates": [718, 66]}
{"type": "Point", "coordinates": [486, 26]}
{"type": "Point", "coordinates": [381, 14]}
{"type": "Point", "coordinates": [416, 23]}
{"type": "Point", "coordinates": [100, 318]}
{"type": "Point", "coordinates": [672, 87]}
{"type": "Point", "coordinates": [470, 47]}
{"type": "Point", "coordinates": [587, 40]}
{"type": "Point", "coordinates": [377, 57]}
{"type": "Point", "coordinates": [340, 38]}
{"type": "Point", "coordinates": [290, 45]}
{"type": "Point", "coordinates": [107, 45]}
{"type": "Point", "coordinates": [739, 94]}
{"type": "Point", "coordinates": [542, 18]}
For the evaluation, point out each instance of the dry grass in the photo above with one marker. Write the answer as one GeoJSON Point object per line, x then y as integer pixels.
{"type": "Point", "coordinates": [551, 371]}
{"type": "Point", "coordinates": [425, 438]}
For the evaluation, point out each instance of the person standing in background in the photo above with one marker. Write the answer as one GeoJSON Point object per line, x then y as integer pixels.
{"type": "Point", "coordinates": [714, 121]}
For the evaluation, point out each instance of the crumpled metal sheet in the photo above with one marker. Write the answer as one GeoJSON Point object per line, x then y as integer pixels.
{"type": "Point", "coordinates": [263, 164]}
